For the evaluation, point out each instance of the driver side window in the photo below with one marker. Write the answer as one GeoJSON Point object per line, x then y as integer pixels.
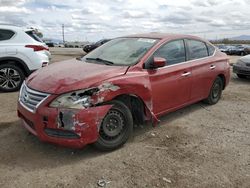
{"type": "Point", "coordinates": [174, 52]}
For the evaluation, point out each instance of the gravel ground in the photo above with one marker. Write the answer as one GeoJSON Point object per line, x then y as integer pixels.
{"type": "Point", "coordinates": [198, 146]}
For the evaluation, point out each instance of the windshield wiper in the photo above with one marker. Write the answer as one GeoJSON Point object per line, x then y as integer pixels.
{"type": "Point", "coordinates": [107, 62]}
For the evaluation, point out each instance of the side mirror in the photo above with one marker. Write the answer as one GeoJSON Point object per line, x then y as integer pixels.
{"type": "Point", "coordinates": [159, 62]}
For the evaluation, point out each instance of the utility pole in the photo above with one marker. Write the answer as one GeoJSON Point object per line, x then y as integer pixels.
{"type": "Point", "coordinates": [63, 33]}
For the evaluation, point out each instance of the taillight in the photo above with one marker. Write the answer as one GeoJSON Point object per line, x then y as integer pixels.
{"type": "Point", "coordinates": [37, 47]}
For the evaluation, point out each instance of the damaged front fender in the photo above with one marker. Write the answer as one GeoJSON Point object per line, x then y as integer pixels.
{"type": "Point", "coordinates": [140, 88]}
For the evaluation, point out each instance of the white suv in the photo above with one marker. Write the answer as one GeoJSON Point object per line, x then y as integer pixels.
{"type": "Point", "coordinates": [21, 53]}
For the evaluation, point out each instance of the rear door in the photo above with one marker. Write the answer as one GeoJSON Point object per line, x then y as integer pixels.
{"type": "Point", "coordinates": [170, 84]}
{"type": "Point", "coordinates": [5, 35]}
{"type": "Point", "coordinates": [203, 66]}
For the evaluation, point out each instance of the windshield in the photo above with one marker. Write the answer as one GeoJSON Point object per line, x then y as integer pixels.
{"type": "Point", "coordinates": [121, 51]}
{"type": "Point", "coordinates": [33, 35]}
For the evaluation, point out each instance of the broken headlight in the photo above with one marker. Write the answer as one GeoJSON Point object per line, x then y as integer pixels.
{"type": "Point", "coordinates": [76, 99]}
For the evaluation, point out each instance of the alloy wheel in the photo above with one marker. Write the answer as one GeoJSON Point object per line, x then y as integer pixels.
{"type": "Point", "coordinates": [9, 78]}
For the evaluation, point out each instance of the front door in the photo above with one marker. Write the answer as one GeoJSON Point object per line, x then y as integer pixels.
{"type": "Point", "coordinates": [170, 84]}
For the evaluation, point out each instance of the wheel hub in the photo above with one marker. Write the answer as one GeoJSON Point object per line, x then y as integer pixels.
{"type": "Point", "coordinates": [112, 125]}
{"type": "Point", "coordinates": [216, 90]}
{"type": "Point", "coordinates": [9, 78]}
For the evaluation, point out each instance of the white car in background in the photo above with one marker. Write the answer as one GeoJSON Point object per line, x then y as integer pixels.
{"type": "Point", "coordinates": [21, 53]}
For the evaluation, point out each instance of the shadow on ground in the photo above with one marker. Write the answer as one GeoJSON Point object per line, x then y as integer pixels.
{"type": "Point", "coordinates": [21, 149]}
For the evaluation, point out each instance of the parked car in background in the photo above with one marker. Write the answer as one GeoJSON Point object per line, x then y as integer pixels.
{"type": "Point", "coordinates": [240, 50]}
{"type": "Point", "coordinates": [247, 50]}
{"type": "Point", "coordinates": [225, 49]}
{"type": "Point", "coordinates": [89, 47]}
{"type": "Point", "coordinates": [59, 45]}
{"type": "Point", "coordinates": [53, 42]}
{"type": "Point", "coordinates": [77, 44]}
{"type": "Point", "coordinates": [237, 50]}
{"type": "Point", "coordinates": [242, 67]}
{"type": "Point", "coordinates": [21, 53]}
{"type": "Point", "coordinates": [50, 44]}
{"type": "Point", "coordinates": [127, 81]}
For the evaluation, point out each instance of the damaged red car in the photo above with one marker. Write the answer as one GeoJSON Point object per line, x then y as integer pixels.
{"type": "Point", "coordinates": [127, 81]}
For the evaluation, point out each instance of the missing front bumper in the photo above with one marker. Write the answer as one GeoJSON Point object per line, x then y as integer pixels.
{"type": "Point", "coordinates": [81, 130]}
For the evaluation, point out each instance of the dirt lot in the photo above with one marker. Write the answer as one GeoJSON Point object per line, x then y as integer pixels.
{"type": "Point", "coordinates": [198, 146]}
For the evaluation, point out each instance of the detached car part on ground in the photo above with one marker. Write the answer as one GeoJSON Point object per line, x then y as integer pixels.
{"type": "Point", "coordinates": [126, 81]}
{"type": "Point", "coordinates": [21, 53]}
{"type": "Point", "coordinates": [242, 67]}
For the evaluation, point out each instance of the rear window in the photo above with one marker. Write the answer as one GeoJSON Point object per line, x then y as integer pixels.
{"type": "Point", "coordinates": [197, 49]}
{"type": "Point", "coordinates": [33, 35]}
{"type": "Point", "coordinates": [6, 34]}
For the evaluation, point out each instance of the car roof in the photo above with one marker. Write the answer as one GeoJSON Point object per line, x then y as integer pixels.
{"type": "Point", "coordinates": [14, 27]}
{"type": "Point", "coordinates": [163, 36]}
{"type": "Point", "coordinates": [8, 26]}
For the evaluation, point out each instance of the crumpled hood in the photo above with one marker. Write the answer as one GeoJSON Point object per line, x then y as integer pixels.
{"type": "Point", "coordinates": [71, 75]}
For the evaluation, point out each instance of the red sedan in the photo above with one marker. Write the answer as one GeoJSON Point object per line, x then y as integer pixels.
{"type": "Point", "coordinates": [127, 81]}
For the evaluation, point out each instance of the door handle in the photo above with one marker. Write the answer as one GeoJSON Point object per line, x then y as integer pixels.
{"type": "Point", "coordinates": [212, 67]}
{"type": "Point", "coordinates": [186, 74]}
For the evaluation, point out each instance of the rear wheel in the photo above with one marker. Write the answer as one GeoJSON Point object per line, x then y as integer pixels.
{"type": "Point", "coordinates": [215, 92]}
{"type": "Point", "coordinates": [241, 76]}
{"type": "Point", "coordinates": [116, 127]}
{"type": "Point", "coordinates": [11, 77]}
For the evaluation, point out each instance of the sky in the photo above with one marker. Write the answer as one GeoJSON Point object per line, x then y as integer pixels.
{"type": "Point", "coordinates": [96, 19]}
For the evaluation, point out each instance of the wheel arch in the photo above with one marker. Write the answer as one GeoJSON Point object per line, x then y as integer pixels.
{"type": "Point", "coordinates": [18, 62]}
{"type": "Point", "coordinates": [136, 106]}
{"type": "Point", "coordinates": [139, 110]}
{"type": "Point", "coordinates": [132, 92]}
{"type": "Point", "coordinates": [223, 78]}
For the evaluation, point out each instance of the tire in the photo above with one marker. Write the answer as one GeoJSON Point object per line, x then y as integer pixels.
{"type": "Point", "coordinates": [116, 127]}
{"type": "Point", "coordinates": [11, 77]}
{"type": "Point", "coordinates": [242, 53]}
{"type": "Point", "coordinates": [215, 92]}
{"type": "Point", "coordinates": [241, 76]}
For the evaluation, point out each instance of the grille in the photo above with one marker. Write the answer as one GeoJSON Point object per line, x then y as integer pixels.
{"type": "Point", "coordinates": [61, 133]}
{"type": "Point", "coordinates": [30, 98]}
{"type": "Point", "coordinates": [245, 72]}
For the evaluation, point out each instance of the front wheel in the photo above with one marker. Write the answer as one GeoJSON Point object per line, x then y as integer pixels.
{"type": "Point", "coordinates": [116, 127]}
{"type": "Point", "coordinates": [11, 77]}
{"type": "Point", "coordinates": [215, 92]}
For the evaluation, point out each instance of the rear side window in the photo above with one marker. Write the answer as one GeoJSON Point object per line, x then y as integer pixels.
{"type": "Point", "coordinates": [174, 52]}
{"type": "Point", "coordinates": [197, 49]}
{"type": "Point", "coordinates": [6, 34]}
{"type": "Point", "coordinates": [210, 49]}
{"type": "Point", "coordinates": [33, 35]}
